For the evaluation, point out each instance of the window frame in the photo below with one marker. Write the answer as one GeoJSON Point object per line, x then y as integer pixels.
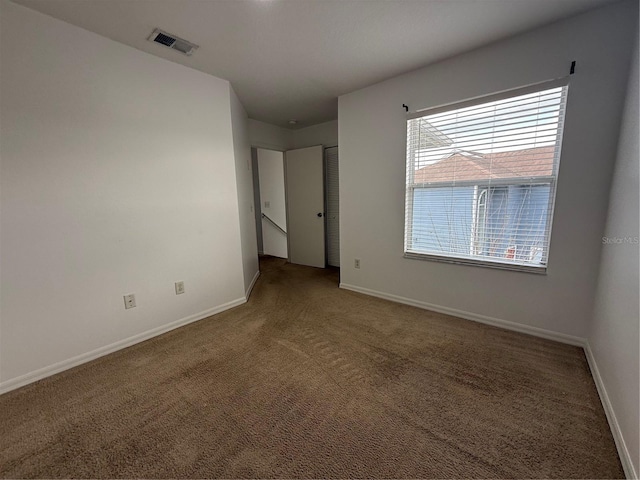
{"type": "Point", "coordinates": [411, 186]}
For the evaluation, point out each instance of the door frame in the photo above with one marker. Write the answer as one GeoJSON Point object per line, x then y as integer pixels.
{"type": "Point", "coordinates": [326, 201]}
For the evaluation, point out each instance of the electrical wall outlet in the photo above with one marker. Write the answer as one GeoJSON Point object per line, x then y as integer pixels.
{"type": "Point", "coordinates": [356, 263]}
{"type": "Point", "coordinates": [267, 204]}
{"type": "Point", "coordinates": [179, 288]}
{"type": "Point", "coordinates": [129, 301]}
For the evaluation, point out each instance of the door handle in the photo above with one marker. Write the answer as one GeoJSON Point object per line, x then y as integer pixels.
{"type": "Point", "coordinates": [319, 214]}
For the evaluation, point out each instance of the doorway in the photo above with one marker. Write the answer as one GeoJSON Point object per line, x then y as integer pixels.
{"type": "Point", "coordinates": [270, 202]}
{"type": "Point", "coordinates": [297, 204]}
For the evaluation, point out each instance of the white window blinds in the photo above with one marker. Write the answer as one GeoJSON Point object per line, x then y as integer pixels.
{"type": "Point", "coordinates": [481, 178]}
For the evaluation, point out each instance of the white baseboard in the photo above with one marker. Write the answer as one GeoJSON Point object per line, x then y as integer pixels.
{"type": "Point", "coordinates": [253, 282]}
{"type": "Point", "coordinates": [623, 451]}
{"type": "Point", "coordinates": [496, 322]}
{"type": "Point", "coordinates": [47, 371]}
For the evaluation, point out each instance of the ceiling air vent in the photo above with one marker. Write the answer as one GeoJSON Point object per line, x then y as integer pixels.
{"type": "Point", "coordinates": [171, 41]}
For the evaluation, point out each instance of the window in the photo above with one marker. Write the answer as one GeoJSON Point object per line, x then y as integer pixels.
{"type": "Point", "coordinates": [481, 178]}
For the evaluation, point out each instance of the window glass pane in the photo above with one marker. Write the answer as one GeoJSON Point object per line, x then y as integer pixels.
{"type": "Point", "coordinates": [443, 219]}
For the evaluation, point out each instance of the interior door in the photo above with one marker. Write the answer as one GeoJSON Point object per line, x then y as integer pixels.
{"type": "Point", "coordinates": [305, 206]}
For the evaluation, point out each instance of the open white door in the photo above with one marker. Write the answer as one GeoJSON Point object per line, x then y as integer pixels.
{"type": "Point", "coordinates": [305, 206]}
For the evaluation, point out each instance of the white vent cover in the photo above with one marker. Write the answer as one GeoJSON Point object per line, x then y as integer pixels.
{"type": "Point", "coordinates": [171, 41]}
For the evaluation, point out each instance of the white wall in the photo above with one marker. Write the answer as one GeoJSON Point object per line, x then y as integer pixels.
{"type": "Point", "coordinates": [271, 173]}
{"type": "Point", "coordinates": [372, 174]}
{"type": "Point", "coordinates": [244, 182]}
{"type": "Point", "coordinates": [272, 137]}
{"type": "Point", "coordinates": [614, 333]}
{"type": "Point", "coordinates": [117, 176]}
{"type": "Point", "coordinates": [325, 134]}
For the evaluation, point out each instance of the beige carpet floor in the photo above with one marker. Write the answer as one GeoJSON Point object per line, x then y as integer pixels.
{"type": "Point", "coordinates": [307, 380]}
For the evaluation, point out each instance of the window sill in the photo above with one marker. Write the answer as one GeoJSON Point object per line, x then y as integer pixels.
{"type": "Point", "coordinates": [541, 270]}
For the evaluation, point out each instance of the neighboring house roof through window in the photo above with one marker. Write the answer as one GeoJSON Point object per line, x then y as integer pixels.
{"type": "Point", "coordinates": [464, 166]}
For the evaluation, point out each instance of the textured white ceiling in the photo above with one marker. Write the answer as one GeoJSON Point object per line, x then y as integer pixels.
{"type": "Point", "coordinates": [291, 59]}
